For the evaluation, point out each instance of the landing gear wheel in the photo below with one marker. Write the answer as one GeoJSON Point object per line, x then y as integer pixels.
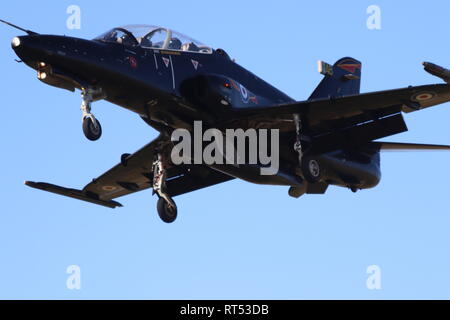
{"type": "Point", "coordinates": [166, 212]}
{"type": "Point", "coordinates": [311, 170]}
{"type": "Point", "coordinates": [92, 129]}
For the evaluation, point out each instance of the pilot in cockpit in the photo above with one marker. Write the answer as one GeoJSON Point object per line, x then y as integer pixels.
{"type": "Point", "coordinates": [153, 37]}
{"type": "Point", "coordinates": [175, 44]}
{"type": "Point", "coordinates": [146, 42]}
{"type": "Point", "coordinates": [190, 46]}
{"type": "Point", "coordinates": [126, 40]}
{"type": "Point", "coordinates": [112, 37]}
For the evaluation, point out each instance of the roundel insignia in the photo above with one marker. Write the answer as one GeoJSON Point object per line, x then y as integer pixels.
{"type": "Point", "coordinates": [244, 93]}
{"type": "Point", "coordinates": [423, 96]}
{"type": "Point", "coordinates": [108, 188]}
{"type": "Point", "coordinates": [133, 62]}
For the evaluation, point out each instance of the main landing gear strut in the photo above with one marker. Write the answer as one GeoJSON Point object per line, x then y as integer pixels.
{"type": "Point", "coordinates": [91, 126]}
{"type": "Point", "coordinates": [167, 209]}
{"type": "Point", "coordinates": [310, 166]}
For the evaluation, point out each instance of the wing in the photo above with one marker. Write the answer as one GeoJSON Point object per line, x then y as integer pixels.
{"type": "Point", "coordinates": [323, 114]}
{"type": "Point", "coordinates": [135, 174]}
{"type": "Point", "coordinates": [349, 120]}
{"type": "Point", "coordinates": [400, 146]}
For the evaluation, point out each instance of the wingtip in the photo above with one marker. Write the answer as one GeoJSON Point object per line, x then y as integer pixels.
{"type": "Point", "coordinates": [72, 193]}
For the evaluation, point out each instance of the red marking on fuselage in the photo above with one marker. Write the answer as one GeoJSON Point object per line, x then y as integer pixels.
{"type": "Point", "coordinates": [133, 62]}
{"type": "Point", "coordinates": [235, 86]}
{"type": "Point", "coordinates": [350, 67]}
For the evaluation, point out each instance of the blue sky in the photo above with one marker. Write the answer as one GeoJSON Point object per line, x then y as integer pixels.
{"type": "Point", "coordinates": [235, 240]}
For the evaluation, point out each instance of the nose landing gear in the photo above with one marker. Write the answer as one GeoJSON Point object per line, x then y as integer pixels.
{"type": "Point", "coordinates": [91, 126]}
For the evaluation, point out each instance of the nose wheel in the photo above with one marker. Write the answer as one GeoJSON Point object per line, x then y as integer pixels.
{"type": "Point", "coordinates": [91, 126]}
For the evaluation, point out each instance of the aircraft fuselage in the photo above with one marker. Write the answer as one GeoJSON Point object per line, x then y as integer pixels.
{"type": "Point", "coordinates": [170, 89]}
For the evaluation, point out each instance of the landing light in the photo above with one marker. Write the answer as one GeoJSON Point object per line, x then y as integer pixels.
{"type": "Point", "coordinates": [42, 64]}
{"type": "Point", "coordinates": [42, 75]}
{"type": "Point", "coordinates": [15, 42]}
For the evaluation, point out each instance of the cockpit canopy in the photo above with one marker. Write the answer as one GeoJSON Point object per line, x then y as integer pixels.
{"type": "Point", "coordinates": [147, 36]}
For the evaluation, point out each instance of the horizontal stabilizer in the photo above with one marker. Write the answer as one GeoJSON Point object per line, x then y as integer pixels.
{"type": "Point", "coordinates": [395, 146]}
{"type": "Point", "coordinates": [437, 71]}
{"type": "Point", "coordinates": [73, 193]}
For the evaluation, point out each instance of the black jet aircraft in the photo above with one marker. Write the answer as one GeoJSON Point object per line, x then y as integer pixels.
{"type": "Point", "coordinates": [171, 80]}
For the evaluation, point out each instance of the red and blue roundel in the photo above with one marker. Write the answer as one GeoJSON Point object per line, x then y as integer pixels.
{"type": "Point", "coordinates": [133, 62]}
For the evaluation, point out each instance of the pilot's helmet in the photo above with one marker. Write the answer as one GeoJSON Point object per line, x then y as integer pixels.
{"type": "Point", "coordinates": [112, 36]}
{"type": "Point", "coordinates": [175, 44]}
{"type": "Point", "coordinates": [146, 42]}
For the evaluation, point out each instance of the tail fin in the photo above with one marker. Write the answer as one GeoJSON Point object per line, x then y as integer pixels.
{"type": "Point", "coordinates": [341, 79]}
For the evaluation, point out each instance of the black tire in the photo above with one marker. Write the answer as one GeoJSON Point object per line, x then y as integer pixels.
{"type": "Point", "coordinates": [92, 132]}
{"type": "Point", "coordinates": [311, 170]}
{"type": "Point", "coordinates": [166, 213]}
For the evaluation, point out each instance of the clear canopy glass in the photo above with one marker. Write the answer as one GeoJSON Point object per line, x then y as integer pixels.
{"type": "Point", "coordinates": [148, 36]}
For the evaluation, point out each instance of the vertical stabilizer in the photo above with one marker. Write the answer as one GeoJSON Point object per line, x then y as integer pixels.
{"type": "Point", "coordinates": [341, 79]}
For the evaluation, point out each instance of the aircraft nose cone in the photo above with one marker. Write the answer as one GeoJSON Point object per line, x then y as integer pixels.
{"type": "Point", "coordinates": [20, 43]}
{"type": "Point", "coordinates": [27, 47]}
{"type": "Point", "coordinates": [15, 42]}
